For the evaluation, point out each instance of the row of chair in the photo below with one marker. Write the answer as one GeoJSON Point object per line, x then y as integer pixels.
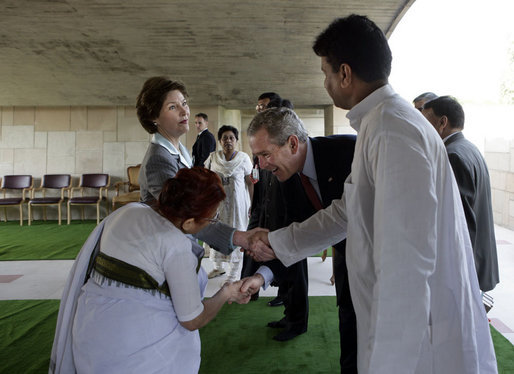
{"type": "Point", "coordinates": [61, 183]}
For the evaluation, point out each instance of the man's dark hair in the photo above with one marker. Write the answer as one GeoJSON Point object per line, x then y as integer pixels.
{"type": "Point", "coordinates": [447, 106]}
{"type": "Point", "coordinates": [425, 96]}
{"type": "Point", "coordinates": [280, 124]}
{"type": "Point", "coordinates": [203, 115]}
{"type": "Point", "coordinates": [269, 95]}
{"type": "Point", "coordinates": [226, 128]}
{"type": "Point", "coordinates": [357, 41]}
{"type": "Point", "coordinates": [280, 103]}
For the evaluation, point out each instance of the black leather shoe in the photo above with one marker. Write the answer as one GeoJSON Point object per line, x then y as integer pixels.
{"type": "Point", "coordinates": [277, 301]}
{"type": "Point", "coordinates": [278, 324]}
{"type": "Point", "coordinates": [254, 297]}
{"type": "Point", "coordinates": [288, 335]}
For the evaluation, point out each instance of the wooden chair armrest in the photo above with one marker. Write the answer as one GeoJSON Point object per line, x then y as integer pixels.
{"type": "Point", "coordinates": [70, 193]}
{"type": "Point", "coordinates": [28, 190]}
{"type": "Point", "coordinates": [33, 191]}
{"type": "Point", "coordinates": [119, 185]}
{"type": "Point", "coordinates": [63, 190]}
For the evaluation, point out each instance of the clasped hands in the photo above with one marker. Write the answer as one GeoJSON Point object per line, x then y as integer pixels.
{"type": "Point", "coordinates": [241, 291]}
{"type": "Point", "coordinates": [255, 243]}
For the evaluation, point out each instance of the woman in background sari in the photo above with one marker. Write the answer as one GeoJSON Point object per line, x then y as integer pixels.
{"type": "Point", "coordinates": [234, 168]}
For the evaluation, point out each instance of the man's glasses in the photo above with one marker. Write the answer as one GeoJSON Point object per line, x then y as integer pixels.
{"type": "Point", "coordinates": [260, 107]}
{"type": "Point", "coordinates": [214, 219]}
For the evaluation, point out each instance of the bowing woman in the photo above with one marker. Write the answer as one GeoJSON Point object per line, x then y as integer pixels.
{"type": "Point", "coordinates": [133, 300]}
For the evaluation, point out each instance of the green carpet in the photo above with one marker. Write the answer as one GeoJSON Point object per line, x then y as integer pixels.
{"type": "Point", "coordinates": [27, 330]}
{"type": "Point", "coordinates": [237, 341]}
{"type": "Point", "coordinates": [43, 240]}
{"type": "Point", "coordinates": [47, 240]}
{"type": "Point", "coordinates": [504, 352]}
{"type": "Point", "coordinates": [329, 253]}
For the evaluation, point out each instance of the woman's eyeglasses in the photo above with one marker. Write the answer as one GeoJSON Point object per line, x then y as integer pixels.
{"type": "Point", "coordinates": [214, 219]}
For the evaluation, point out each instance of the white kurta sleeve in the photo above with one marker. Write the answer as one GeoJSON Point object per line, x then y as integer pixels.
{"type": "Point", "coordinates": [302, 239]}
{"type": "Point", "coordinates": [404, 250]}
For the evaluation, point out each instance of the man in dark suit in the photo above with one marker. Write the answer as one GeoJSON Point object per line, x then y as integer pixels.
{"type": "Point", "coordinates": [420, 100]}
{"type": "Point", "coordinates": [313, 171]}
{"type": "Point", "coordinates": [205, 142]}
{"type": "Point", "coordinates": [472, 175]}
{"type": "Point", "coordinates": [267, 205]}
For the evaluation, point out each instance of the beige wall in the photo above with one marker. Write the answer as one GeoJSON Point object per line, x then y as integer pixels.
{"type": "Point", "coordinates": [69, 140]}
{"type": "Point", "coordinates": [491, 129]}
{"type": "Point", "coordinates": [77, 140]}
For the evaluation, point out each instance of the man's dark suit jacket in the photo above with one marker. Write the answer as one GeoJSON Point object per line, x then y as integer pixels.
{"type": "Point", "coordinates": [268, 211]}
{"type": "Point", "coordinates": [472, 178]}
{"type": "Point", "coordinates": [205, 144]}
{"type": "Point", "coordinates": [333, 157]}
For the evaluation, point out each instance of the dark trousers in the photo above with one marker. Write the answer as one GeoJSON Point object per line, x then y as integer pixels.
{"type": "Point", "coordinates": [347, 320]}
{"type": "Point", "coordinates": [297, 301]}
{"type": "Point", "coordinates": [249, 266]}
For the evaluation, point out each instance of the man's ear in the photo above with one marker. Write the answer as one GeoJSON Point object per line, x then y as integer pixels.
{"type": "Point", "coordinates": [345, 75]}
{"type": "Point", "coordinates": [293, 143]}
{"type": "Point", "coordinates": [443, 122]}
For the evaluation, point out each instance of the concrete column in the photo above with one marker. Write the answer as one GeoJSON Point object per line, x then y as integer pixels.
{"type": "Point", "coordinates": [329, 120]}
{"type": "Point", "coordinates": [336, 121]}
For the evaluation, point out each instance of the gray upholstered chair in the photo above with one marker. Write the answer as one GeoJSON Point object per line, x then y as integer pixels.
{"type": "Point", "coordinates": [60, 184]}
{"type": "Point", "coordinates": [19, 185]}
{"type": "Point", "coordinates": [90, 183]}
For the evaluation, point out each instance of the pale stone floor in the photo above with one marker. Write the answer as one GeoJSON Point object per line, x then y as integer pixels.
{"type": "Point", "coordinates": [45, 280]}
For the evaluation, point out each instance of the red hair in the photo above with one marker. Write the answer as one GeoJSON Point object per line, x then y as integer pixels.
{"type": "Point", "coordinates": [192, 193]}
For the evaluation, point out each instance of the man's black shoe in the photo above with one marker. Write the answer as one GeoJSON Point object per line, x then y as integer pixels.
{"type": "Point", "coordinates": [254, 297]}
{"type": "Point", "coordinates": [278, 324]}
{"type": "Point", "coordinates": [277, 301]}
{"type": "Point", "coordinates": [288, 335]}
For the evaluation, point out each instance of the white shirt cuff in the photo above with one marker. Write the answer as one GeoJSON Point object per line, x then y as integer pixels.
{"type": "Point", "coordinates": [267, 274]}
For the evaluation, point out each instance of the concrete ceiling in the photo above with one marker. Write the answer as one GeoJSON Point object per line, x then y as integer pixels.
{"type": "Point", "coordinates": [99, 52]}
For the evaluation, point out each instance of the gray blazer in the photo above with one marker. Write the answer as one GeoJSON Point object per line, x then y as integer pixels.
{"type": "Point", "coordinates": [472, 178]}
{"type": "Point", "coordinates": [158, 166]}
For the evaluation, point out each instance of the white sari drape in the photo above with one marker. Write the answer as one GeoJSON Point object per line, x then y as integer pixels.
{"type": "Point", "coordinates": [233, 211]}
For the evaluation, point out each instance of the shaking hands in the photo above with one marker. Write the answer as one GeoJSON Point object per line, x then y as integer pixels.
{"type": "Point", "coordinates": [255, 243]}
{"type": "Point", "coordinates": [241, 291]}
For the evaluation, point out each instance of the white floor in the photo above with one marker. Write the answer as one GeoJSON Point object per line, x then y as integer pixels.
{"type": "Point", "coordinates": [45, 280]}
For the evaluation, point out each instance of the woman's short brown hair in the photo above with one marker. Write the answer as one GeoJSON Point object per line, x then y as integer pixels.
{"type": "Point", "coordinates": [150, 99]}
{"type": "Point", "coordinates": [192, 193]}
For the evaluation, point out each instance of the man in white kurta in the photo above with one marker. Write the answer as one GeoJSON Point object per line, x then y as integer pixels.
{"type": "Point", "coordinates": [410, 264]}
{"type": "Point", "coordinates": [409, 257]}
